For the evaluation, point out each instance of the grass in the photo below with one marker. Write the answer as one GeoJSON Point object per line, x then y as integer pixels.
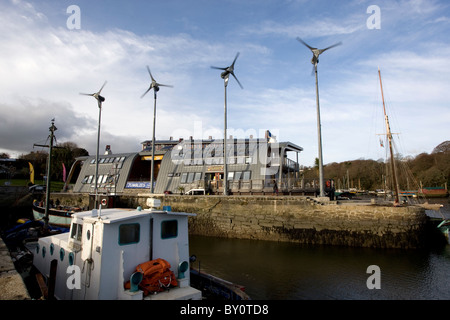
{"type": "Point", "coordinates": [55, 186]}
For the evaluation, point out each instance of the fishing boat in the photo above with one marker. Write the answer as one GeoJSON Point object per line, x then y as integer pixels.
{"type": "Point", "coordinates": [118, 254]}
{"type": "Point", "coordinates": [125, 254]}
{"type": "Point", "coordinates": [59, 216]}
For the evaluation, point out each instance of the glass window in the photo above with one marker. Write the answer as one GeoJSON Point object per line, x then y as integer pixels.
{"type": "Point", "coordinates": [169, 229]}
{"type": "Point", "coordinates": [183, 177]}
{"type": "Point", "coordinates": [129, 233]}
{"type": "Point", "coordinates": [85, 179]}
{"type": "Point", "coordinates": [246, 175]}
{"type": "Point", "coordinates": [90, 179]}
{"type": "Point", "coordinates": [237, 175]}
{"type": "Point", "coordinates": [190, 177]}
{"type": "Point", "coordinates": [230, 175]}
{"type": "Point", "coordinates": [77, 230]}
{"type": "Point", "coordinates": [198, 176]}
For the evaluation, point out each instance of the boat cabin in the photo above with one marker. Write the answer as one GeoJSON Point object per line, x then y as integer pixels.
{"type": "Point", "coordinates": [101, 253]}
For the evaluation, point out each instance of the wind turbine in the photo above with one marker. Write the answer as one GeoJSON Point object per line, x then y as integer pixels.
{"type": "Point", "coordinates": [155, 86]}
{"type": "Point", "coordinates": [100, 100]}
{"type": "Point", "coordinates": [225, 76]}
{"type": "Point", "coordinates": [315, 60]}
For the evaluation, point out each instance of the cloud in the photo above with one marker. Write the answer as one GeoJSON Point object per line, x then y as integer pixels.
{"type": "Point", "coordinates": [45, 66]}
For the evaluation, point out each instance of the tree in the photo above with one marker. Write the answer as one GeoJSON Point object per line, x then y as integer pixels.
{"type": "Point", "coordinates": [64, 153]}
{"type": "Point", "coordinates": [443, 147]}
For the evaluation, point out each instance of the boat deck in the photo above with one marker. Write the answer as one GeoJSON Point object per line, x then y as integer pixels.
{"type": "Point", "coordinates": [186, 293]}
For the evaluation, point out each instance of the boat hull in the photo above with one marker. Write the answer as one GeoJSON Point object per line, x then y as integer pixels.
{"type": "Point", "coordinates": [434, 192]}
{"type": "Point", "coordinates": [56, 218]}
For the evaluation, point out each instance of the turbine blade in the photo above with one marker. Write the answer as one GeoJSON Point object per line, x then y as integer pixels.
{"type": "Point", "coordinates": [87, 94]}
{"type": "Point", "coordinates": [146, 92]}
{"type": "Point", "coordinates": [334, 45]}
{"type": "Point", "coordinates": [218, 68]}
{"type": "Point", "coordinates": [237, 80]}
{"type": "Point", "coordinates": [304, 43]}
{"type": "Point", "coordinates": [237, 55]}
{"type": "Point", "coordinates": [165, 85]}
{"type": "Point", "coordinates": [102, 87]}
{"type": "Point", "coordinates": [150, 73]}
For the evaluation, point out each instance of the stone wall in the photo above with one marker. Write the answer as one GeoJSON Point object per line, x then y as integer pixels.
{"type": "Point", "coordinates": [297, 219]}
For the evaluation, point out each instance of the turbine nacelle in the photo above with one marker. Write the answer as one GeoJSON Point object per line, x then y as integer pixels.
{"type": "Point", "coordinates": [229, 70]}
{"type": "Point", "coordinates": [97, 95]}
{"type": "Point", "coordinates": [317, 52]}
{"type": "Point", "coordinates": [154, 85]}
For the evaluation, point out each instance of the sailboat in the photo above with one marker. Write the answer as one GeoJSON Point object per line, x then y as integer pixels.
{"type": "Point", "coordinates": [389, 138]}
{"type": "Point", "coordinates": [444, 226]}
{"type": "Point", "coordinates": [53, 217]}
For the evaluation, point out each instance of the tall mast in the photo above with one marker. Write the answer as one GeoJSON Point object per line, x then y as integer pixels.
{"type": "Point", "coordinates": [52, 130]}
{"type": "Point", "coordinates": [389, 136]}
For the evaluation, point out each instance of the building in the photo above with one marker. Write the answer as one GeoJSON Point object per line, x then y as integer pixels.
{"type": "Point", "coordinates": [195, 166]}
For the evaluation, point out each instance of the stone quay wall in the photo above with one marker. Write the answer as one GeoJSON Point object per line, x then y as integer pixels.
{"type": "Point", "coordinates": [294, 219]}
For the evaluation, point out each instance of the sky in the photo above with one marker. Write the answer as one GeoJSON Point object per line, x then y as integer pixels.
{"type": "Point", "coordinates": [52, 50]}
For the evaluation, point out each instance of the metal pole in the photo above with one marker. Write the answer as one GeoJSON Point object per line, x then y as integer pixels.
{"type": "Point", "coordinates": [153, 145]}
{"type": "Point", "coordinates": [49, 171]}
{"type": "Point", "coordinates": [225, 171]}
{"type": "Point", "coordinates": [97, 154]}
{"type": "Point", "coordinates": [319, 132]}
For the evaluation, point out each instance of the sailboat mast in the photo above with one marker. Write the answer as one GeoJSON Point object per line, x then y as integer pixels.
{"type": "Point", "coordinates": [389, 135]}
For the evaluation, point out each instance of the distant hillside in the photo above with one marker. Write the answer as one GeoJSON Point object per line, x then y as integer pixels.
{"type": "Point", "coordinates": [432, 170]}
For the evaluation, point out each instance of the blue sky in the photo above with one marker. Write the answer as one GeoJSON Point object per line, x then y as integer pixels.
{"type": "Point", "coordinates": [44, 65]}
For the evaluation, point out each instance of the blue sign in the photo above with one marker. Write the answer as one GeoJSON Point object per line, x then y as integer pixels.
{"type": "Point", "coordinates": [137, 185]}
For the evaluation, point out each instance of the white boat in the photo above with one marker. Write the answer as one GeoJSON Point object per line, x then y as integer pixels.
{"type": "Point", "coordinates": [102, 255]}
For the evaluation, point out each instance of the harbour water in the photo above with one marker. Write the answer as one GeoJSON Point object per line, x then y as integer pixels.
{"type": "Point", "coordinates": [286, 271]}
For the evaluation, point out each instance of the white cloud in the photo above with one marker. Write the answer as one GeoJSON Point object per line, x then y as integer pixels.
{"type": "Point", "coordinates": [45, 67]}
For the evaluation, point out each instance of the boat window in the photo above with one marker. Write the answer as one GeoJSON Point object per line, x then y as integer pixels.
{"type": "Point", "coordinates": [85, 179]}
{"type": "Point", "coordinates": [71, 258]}
{"type": "Point", "coordinates": [230, 175]}
{"type": "Point", "coordinates": [93, 161]}
{"type": "Point", "coordinates": [77, 230]}
{"type": "Point", "coordinates": [237, 175]}
{"type": "Point", "coordinates": [169, 229]}
{"type": "Point", "coordinates": [246, 175]}
{"type": "Point", "coordinates": [129, 233]}
{"type": "Point", "coordinates": [90, 179]}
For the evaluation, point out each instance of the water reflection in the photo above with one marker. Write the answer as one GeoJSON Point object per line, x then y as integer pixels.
{"type": "Point", "coordinates": [286, 271]}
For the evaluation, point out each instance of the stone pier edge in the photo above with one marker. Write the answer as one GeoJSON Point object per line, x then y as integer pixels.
{"type": "Point", "coordinates": [296, 219]}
